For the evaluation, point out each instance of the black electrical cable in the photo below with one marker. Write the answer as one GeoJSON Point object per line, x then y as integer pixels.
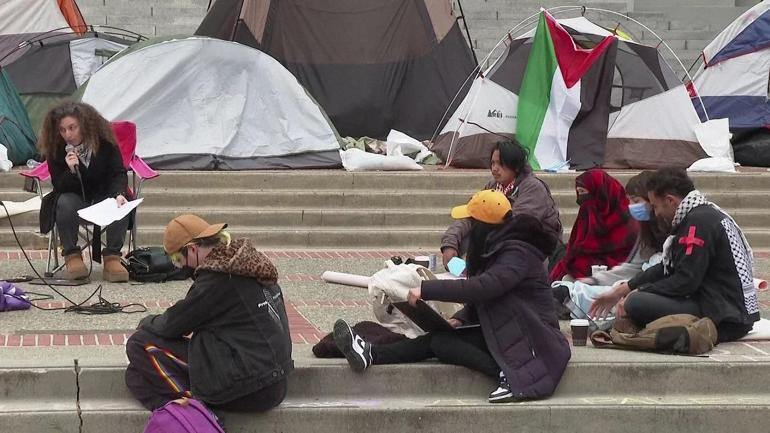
{"type": "Point", "coordinates": [101, 307]}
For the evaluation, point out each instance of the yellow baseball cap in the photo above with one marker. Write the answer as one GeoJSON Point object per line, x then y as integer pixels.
{"type": "Point", "coordinates": [488, 206]}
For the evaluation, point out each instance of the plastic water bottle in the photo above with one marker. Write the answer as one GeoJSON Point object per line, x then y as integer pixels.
{"type": "Point", "coordinates": [31, 163]}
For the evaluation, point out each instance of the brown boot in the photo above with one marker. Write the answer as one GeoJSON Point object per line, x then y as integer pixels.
{"type": "Point", "coordinates": [113, 271]}
{"type": "Point", "coordinates": [75, 268]}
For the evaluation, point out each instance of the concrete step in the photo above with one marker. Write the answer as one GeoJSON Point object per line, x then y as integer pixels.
{"type": "Point", "coordinates": [328, 397]}
{"type": "Point", "coordinates": [151, 216]}
{"type": "Point", "coordinates": [387, 415]}
{"type": "Point", "coordinates": [321, 238]}
{"type": "Point", "coordinates": [434, 179]}
{"type": "Point", "coordinates": [671, 35]}
{"type": "Point", "coordinates": [278, 237]}
{"type": "Point", "coordinates": [188, 200]}
{"type": "Point", "coordinates": [388, 209]}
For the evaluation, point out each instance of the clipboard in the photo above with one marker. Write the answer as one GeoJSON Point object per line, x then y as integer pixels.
{"type": "Point", "coordinates": [428, 319]}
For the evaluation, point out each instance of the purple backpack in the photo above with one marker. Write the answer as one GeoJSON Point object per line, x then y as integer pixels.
{"type": "Point", "coordinates": [12, 297]}
{"type": "Point", "coordinates": [174, 418]}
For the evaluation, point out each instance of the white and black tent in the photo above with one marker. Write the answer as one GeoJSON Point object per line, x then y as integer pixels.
{"type": "Point", "coordinates": [632, 110]}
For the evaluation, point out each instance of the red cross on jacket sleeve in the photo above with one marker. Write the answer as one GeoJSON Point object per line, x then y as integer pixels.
{"type": "Point", "coordinates": [691, 241]}
{"type": "Point", "coordinates": [690, 259]}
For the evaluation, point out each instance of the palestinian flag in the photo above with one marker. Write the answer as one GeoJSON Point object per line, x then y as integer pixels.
{"type": "Point", "coordinates": [564, 100]}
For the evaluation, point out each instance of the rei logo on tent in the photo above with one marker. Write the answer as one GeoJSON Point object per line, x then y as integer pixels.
{"type": "Point", "coordinates": [495, 113]}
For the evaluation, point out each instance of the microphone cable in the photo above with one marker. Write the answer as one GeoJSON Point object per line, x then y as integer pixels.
{"type": "Point", "coordinates": [101, 307]}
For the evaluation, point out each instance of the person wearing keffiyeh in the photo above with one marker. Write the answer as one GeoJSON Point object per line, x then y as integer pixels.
{"type": "Point", "coordinates": [706, 269]}
{"type": "Point", "coordinates": [604, 232]}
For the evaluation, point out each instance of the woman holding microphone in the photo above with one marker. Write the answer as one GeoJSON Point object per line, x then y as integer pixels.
{"type": "Point", "coordinates": [86, 167]}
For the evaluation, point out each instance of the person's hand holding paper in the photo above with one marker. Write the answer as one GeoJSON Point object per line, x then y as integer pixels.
{"type": "Point", "coordinates": [108, 211]}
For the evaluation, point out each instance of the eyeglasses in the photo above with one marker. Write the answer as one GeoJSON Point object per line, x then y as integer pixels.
{"type": "Point", "coordinates": [177, 258]}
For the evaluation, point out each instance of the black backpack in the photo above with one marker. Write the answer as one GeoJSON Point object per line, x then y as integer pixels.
{"type": "Point", "coordinates": [152, 265]}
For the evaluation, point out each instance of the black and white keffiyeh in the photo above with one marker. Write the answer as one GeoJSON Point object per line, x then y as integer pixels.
{"type": "Point", "coordinates": [694, 199]}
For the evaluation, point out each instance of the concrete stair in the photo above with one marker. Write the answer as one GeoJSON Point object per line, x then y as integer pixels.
{"type": "Point", "coordinates": [651, 394]}
{"type": "Point", "coordinates": [336, 209]}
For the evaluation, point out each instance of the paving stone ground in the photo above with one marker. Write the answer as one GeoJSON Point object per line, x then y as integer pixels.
{"type": "Point", "coordinates": [313, 305]}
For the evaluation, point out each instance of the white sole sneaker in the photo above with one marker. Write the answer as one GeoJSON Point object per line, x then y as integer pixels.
{"type": "Point", "coordinates": [501, 395]}
{"type": "Point", "coordinates": [357, 351]}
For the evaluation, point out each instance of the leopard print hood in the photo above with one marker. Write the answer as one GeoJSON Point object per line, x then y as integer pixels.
{"type": "Point", "coordinates": [240, 258]}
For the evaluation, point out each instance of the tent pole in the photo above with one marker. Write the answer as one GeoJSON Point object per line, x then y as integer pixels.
{"type": "Point", "coordinates": [467, 33]}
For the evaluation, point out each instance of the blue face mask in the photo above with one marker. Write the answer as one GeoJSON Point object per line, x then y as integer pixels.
{"type": "Point", "coordinates": [639, 211]}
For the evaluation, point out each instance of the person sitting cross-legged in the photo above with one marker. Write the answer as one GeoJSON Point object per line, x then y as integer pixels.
{"type": "Point", "coordinates": [646, 252]}
{"type": "Point", "coordinates": [518, 341]}
{"type": "Point", "coordinates": [604, 232]}
{"type": "Point", "coordinates": [706, 269]}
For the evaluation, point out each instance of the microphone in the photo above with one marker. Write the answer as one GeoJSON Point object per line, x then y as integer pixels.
{"type": "Point", "coordinates": [71, 148]}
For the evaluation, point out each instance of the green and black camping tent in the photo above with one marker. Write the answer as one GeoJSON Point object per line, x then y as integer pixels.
{"type": "Point", "coordinates": [15, 130]}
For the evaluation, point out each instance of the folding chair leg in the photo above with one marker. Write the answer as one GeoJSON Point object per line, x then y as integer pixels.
{"type": "Point", "coordinates": [53, 253]}
{"type": "Point", "coordinates": [132, 236]}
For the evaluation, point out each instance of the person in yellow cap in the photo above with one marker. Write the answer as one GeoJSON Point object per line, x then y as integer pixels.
{"type": "Point", "coordinates": [508, 328]}
{"type": "Point", "coordinates": [239, 354]}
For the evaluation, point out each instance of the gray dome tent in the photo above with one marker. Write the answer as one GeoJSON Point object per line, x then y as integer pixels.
{"type": "Point", "coordinates": [202, 103]}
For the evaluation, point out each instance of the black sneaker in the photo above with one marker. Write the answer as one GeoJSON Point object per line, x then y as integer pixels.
{"type": "Point", "coordinates": [357, 351]}
{"type": "Point", "coordinates": [503, 393]}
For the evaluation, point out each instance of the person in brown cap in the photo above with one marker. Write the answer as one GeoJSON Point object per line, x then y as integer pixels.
{"type": "Point", "coordinates": [239, 353]}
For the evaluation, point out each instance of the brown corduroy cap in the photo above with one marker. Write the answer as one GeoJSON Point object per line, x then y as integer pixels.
{"type": "Point", "coordinates": [186, 228]}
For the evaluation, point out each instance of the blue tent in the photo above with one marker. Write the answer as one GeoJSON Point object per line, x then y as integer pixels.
{"type": "Point", "coordinates": [733, 80]}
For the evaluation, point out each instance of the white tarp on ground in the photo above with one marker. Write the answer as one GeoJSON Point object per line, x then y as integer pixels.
{"type": "Point", "coordinates": [207, 96]}
{"type": "Point", "coordinates": [30, 16]}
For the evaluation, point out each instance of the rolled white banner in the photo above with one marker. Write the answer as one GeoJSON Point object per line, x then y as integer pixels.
{"type": "Point", "coordinates": [346, 279]}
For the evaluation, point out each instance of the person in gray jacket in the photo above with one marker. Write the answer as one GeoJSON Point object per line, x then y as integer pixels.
{"type": "Point", "coordinates": [528, 195]}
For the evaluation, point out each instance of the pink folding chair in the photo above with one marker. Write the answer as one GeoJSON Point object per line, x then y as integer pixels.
{"type": "Point", "coordinates": [125, 134]}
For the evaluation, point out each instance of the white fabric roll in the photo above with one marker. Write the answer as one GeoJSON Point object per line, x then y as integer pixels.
{"type": "Point", "coordinates": [346, 279]}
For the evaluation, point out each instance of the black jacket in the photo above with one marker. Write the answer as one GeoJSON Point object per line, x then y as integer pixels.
{"type": "Point", "coordinates": [104, 177]}
{"type": "Point", "coordinates": [235, 310]}
{"type": "Point", "coordinates": [708, 264]}
{"type": "Point", "coordinates": [511, 298]}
